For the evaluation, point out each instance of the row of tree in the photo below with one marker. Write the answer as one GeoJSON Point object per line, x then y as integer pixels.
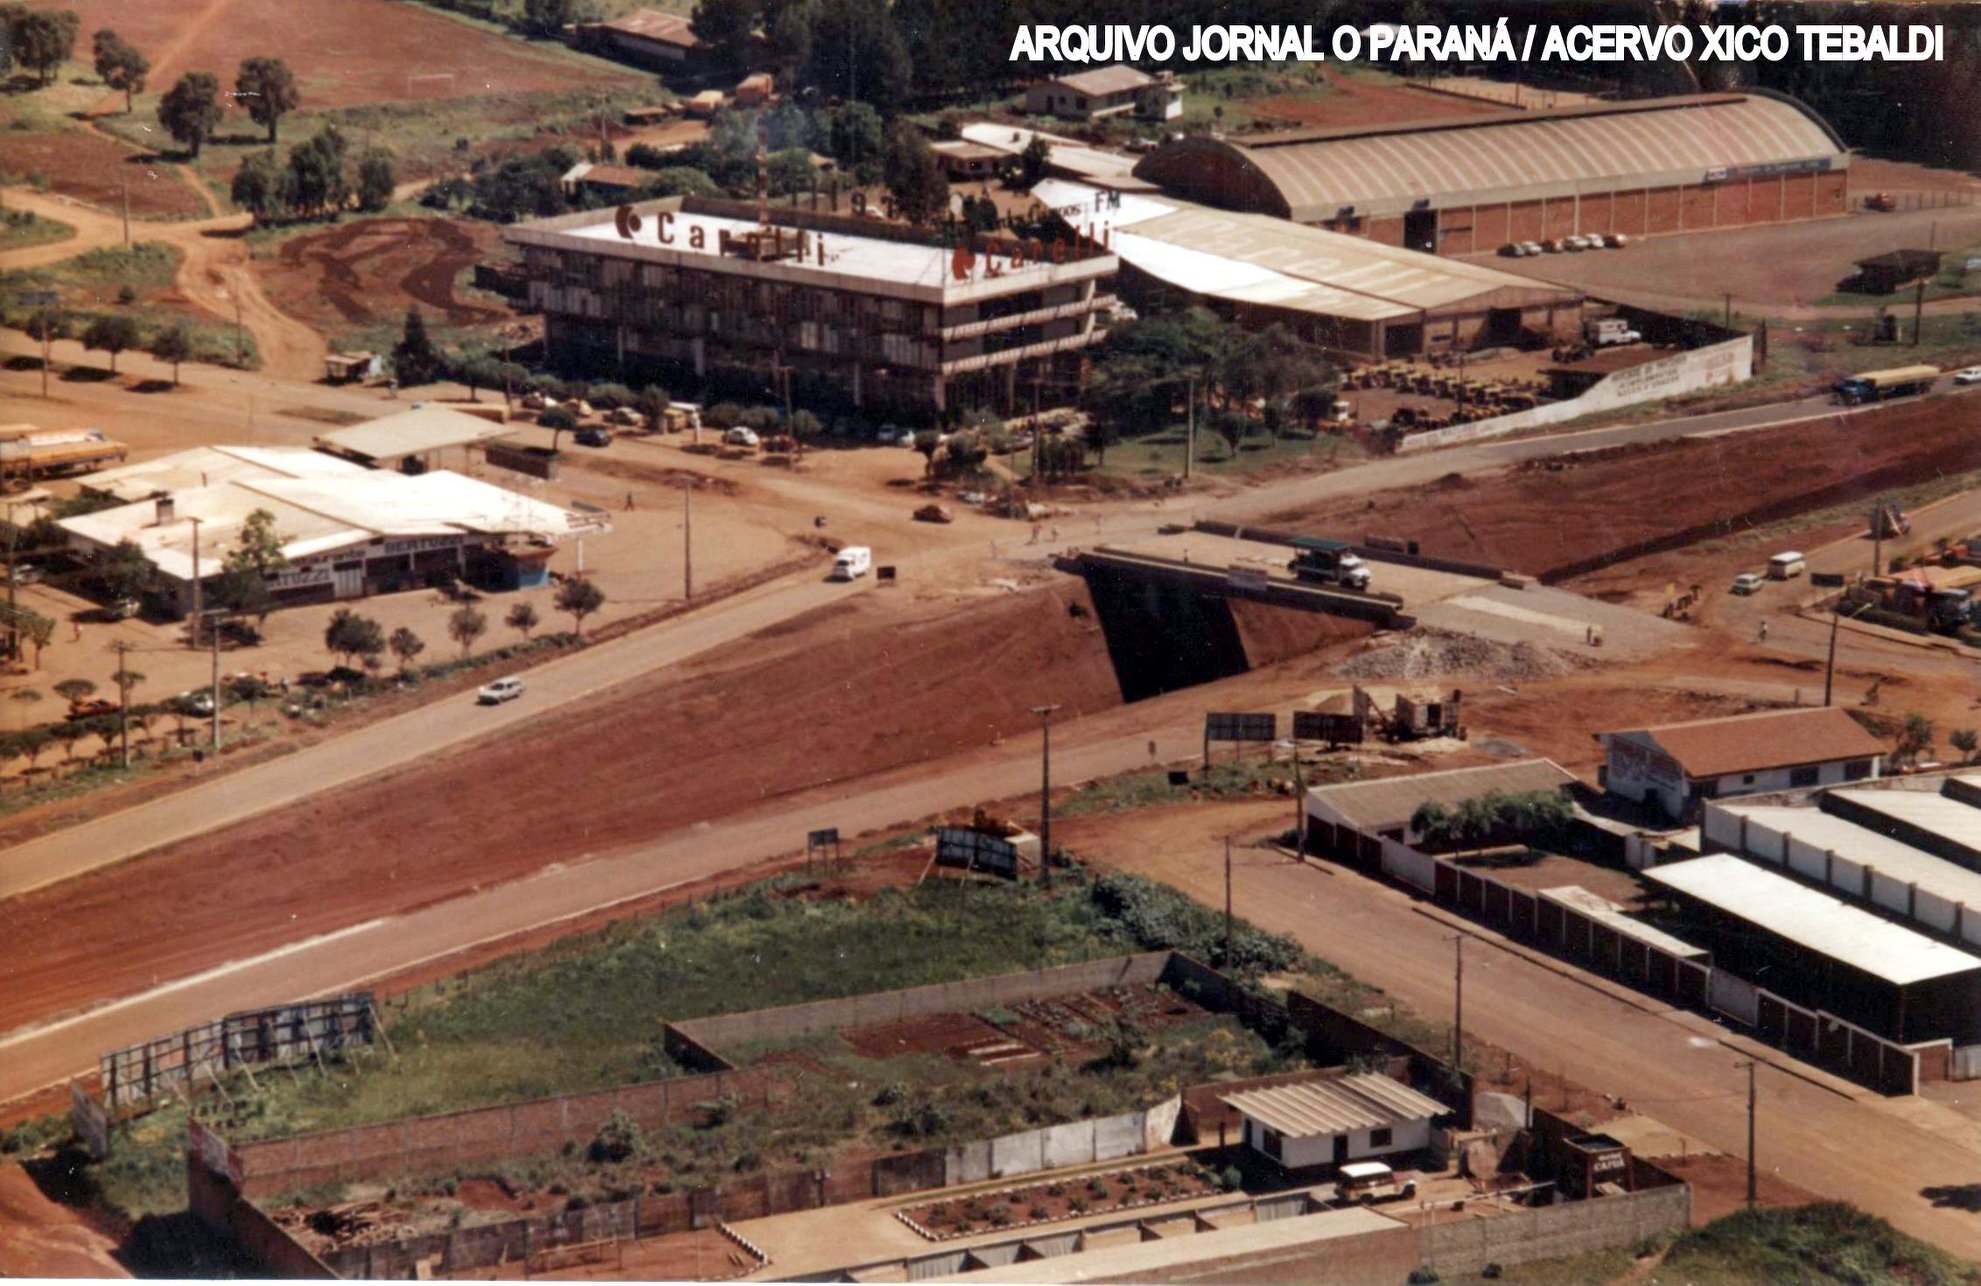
{"type": "Point", "coordinates": [115, 333]}
{"type": "Point", "coordinates": [358, 641]}
{"type": "Point", "coordinates": [316, 180]}
{"type": "Point", "coordinates": [192, 110]}
{"type": "Point", "coordinates": [1492, 817]}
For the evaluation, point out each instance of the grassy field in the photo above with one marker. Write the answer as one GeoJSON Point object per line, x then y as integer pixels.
{"type": "Point", "coordinates": [588, 1015]}
{"type": "Point", "coordinates": [1225, 780]}
{"type": "Point", "coordinates": [131, 282]}
{"type": "Point", "coordinates": [20, 229]}
{"type": "Point", "coordinates": [1160, 454]}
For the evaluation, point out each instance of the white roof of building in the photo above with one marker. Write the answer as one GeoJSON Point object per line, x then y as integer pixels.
{"type": "Point", "coordinates": [1390, 801]}
{"type": "Point", "coordinates": [1308, 1109]}
{"type": "Point", "coordinates": [1813, 920]}
{"type": "Point", "coordinates": [412, 432]}
{"type": "Point", "coordinates": [1258, 259]}
{"type": "Point", "coordinates": [315, 515]}
{"type": "Point", "coordinates": [1612, 916]}
{"type": "Point", "coordinates": [1930, 811]}
{"type": "Point", "coordinates": [207, 466]}
{"type": "Point", "coordinates": [1115, 169]}
{"type": "Point", "coordinates": [1889, 857]}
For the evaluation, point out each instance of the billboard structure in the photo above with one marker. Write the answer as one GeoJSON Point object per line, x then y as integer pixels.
{"type": "Point", "coordinates": [976, 851]}
{"type": "Point", "coordinates": [1238, 727]}
{"type": "Point", "coordinates": [1334, 729]}
{"type": "Point", "coordinates": [138, 1075]}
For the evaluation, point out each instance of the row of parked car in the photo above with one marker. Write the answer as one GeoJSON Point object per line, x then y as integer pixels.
{"type": "Point", "coordinates": [1559, 245]}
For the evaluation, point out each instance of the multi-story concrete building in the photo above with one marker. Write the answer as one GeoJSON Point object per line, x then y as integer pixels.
{"type": "Point", "coordinates": [826, 310]}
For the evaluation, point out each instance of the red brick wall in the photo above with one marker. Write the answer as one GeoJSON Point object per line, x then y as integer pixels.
{"type": "Point", "coordinates": [1596, 213]}
{"type": "Point", "coordinates": [1388, 230]}
{"type": "Point", "coordinates": [1627, 213]}
{"type": "Point", "coordinates": [1558, 217]}
{"type": "Point", "coordinates": [1525, 222]}
{"type": "Point", "coordinates": [1831, 197]}
{"type": "Point", "coordinates": [1799, 195]}
{"type": "Point", "coordinates": [1664, 204]}
{"type": "Point", "coordinates": [1764, 200]}
{"type": "Point", "coordinates": [1489, 227]}
{"type": "Point", "coordinates": [1457, 232]}
{"type": "Point", "coordinates": [1695, 207]}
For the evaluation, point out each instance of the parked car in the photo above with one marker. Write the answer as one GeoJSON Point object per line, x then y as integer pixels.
{"type": "Point", "coordinates": [741, 437]}
{"type": "Point", "coordinates": [198, 702]}
{"type": "Point", "coordinates": [888, 435]}
{"type": "Point", "coordinates": [1368, 1181]}
{"type": "Point", "coordinates": [1531, 248]}
{"type": "Point", "coordinates": [1575, 243]}
{"type": "Point", "coordinates": [124, 609]}
{"type": "Point", "coordinates": [494, 694]}
{"type": "Point", "coordinates": [1616, 240]}
{"type": "Point", "coordinates": [853, 562]}
{"type": "Point", "coordinates": [1745, 583]}
{"type": "Point", "coordinates": [934, 513]}
{"type": "Point", "coordinates": [29, 574]}
{"type": "Point", "coordinates": [1965, 375]}
{"type": "Point", "coordinates": [593, 437]}
{"type": "Point", "coordinates": [1553, 245]}
{"type": "Point", "coordinates": [1514, 250]}
{"type": "Point", "coordinates": [1880, 201]}
{"type": "Point", "coordinates": [89, 709]}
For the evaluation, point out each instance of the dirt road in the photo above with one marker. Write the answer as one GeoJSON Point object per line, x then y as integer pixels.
{"type": "Point", "coordinates": [1669, 1064]}
{"type": "Point", "coordinates": [213, 274]}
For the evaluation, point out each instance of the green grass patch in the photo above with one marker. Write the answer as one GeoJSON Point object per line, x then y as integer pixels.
{"type": "Point", "coordinates": [1822, 1243]}
{"type": "Point", "coordinates": [1160, 454]}
{"type": "Point", "coordinates": [20, 229]}
{"type": "Point", "coordinates": [1225, 779]}
{"type": "Point", "coordinates": [1572, 1270]}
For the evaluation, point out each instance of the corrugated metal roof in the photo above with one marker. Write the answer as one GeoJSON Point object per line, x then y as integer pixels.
{"type": "Point", "coordinates": [1890, 857]}
{"type": "Point", "coordinates": [652, 24]}
{"type": "Point", "coordinates": [1389, 801]}
{"type": "Point", "coordinates": [1745, 743]}
{"type": "Point", "coordinates": [1361, 1102]}
{"type": "Point", "coordinates": [1257, 259]}
{"type": "Point", "coordinates": [1817, 921]}
{"type": "Point", "coordinates": [1937, 814]}
{"type": "Point", "coordinates": [1674, 140]}
{"type": "Point", "coordinates": [205, 466]}
{"type": "Point", "coordinates": [412, 432]}
{"type": "Point", "coordinates": [1610, 915]}
{"type": "Point", "coordinates": [1102, 81]}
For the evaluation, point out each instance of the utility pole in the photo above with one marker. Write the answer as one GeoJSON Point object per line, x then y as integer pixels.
{"type": "Point", "coordinates": [197, 620]}
{"type": "Point", "coordinates": [1918, 311]}
{"type": "Point", "coordinates": [213, 632]}
{"type": "Point", "coordinates": [1045, 784]}
{"type": "Point", "coordinates": [1458, 1004]}
{"type": "Point", "coordinates": [13, 605]}
{"type": "Point", "coordinates": [1830, 667]}
{"type": "Point", "coordinates": [123, 702]}
{"type": "Point", "coordinates": [127, 211]}
{"type": "Point", "coordinates": [1190, 429]}
{"type": "Point", "coordinates": [240, 336]}
{"type": "Point", "coordinates": [1752, 1184]}
{"type": "Point", "coordinates": [688, 538]}
{"type": "Point", "coordinates": [1227, 901]}
{"type": "Point", "coordinates": [1299, 808]}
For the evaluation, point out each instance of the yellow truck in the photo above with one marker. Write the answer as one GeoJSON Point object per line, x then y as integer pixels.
{"type": "Point", "coordinates": [29, 453]}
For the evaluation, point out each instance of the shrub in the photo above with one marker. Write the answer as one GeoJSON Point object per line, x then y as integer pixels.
{"type": "Point", "coordinates": [618, 1138]}
{"type": "Point", "coordinates": [1038, 1212]}
{"type": "Point", "coordinates": [1422, 1276]}
{"type": "Point", "coordinates": [1231, 1179]}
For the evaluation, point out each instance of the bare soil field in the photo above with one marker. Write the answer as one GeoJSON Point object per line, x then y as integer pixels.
{"type": "Point", "coordinates": [861, 688]}
{"type": "Point", "coordinates": [42, 1238]}
{"type": "Point", "coordinates": [344, 52]}
{"type": "Point", "coordinates": [370, 271]}
{"type": "Point", "coordinates": [93, 168]}
{"type": "Point", "coordinates": [1569, 516]}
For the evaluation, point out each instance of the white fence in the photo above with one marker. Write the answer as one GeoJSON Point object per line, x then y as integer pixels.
{"type": "Point", "coordinates": [1729, 362]}
{"type": "Point", "coordinates": [1075, 1143]}
{"type": "Point", "coordinates": [1735, 997]}
{"type": "Point", "coordinates": [1402, 862]}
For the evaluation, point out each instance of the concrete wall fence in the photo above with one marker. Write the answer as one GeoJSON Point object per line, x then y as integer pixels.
{"type": "Point", "coordinates": [1550, 1232]}
{"type": "Point", "coordinates": [699, 1042]}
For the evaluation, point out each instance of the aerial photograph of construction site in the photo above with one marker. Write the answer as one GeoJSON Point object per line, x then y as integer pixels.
{"type": "Point", "coordinates": [1331, 643]}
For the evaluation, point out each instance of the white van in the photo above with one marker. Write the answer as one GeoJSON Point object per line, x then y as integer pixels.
{"type": "Point", "coordinates": [1786, 566]}
{"type": "Point", "coordinates": [853, 562]}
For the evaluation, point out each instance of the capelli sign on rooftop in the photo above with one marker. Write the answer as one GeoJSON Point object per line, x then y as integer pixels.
{"type": "Point", "coordinates": [1478, 43]}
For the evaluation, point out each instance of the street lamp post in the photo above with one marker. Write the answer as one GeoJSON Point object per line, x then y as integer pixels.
{"type": "Point", "coordinates": [1045, 714]}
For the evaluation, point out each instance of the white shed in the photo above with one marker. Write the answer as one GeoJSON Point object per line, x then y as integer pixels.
{"type": "Point", "coordinates": [1331, 1122]}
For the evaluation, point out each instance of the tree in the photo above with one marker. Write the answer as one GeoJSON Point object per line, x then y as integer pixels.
{"type": "Point", "coordinates": [242, 591]}
{"type": "Point", "coordinates": [559, 420]}
{"type": "Point", "coordinates": [927, 443]}
{"type": "Point", "coordinates": [248, 688]}
{"type": "Point", "coordinates": [39, 631]}
{"type": "Point", "coordinates": [855, 137]}
{"type": "Point", "coordinates": [914, 176]}
{"type": "Point", "coordinates": [477, 371]}
{"type": "Point", "coordinates": [406, 646]}
{"type": "Point", "coordinates": [580, 598]}
{"type": "Point", "coordinates": [1965, 740]}
{"type": "Point", "coordinates": [609, 396]}
{"type": "Point", "coordinates": [111, 334]}
{"type": "Point", "coordinates": [261, 187]}
{"type": "Point", "coordinates": [316, 183]}
{"type": "Point", "coordinates": [857, 53]}
{"type": "Point", "coordinates": [350, 636]}
{"type": "Point", "coordinates": [414, 359]}
{"type": "Point", "coordinates": [1033, 160]}
{"type": "Point", "coordinates": [267, 88]}
{"type": "Point", "coordinates": [124, 571]}
{"type": "Point", "coordinates": [522, 618]}
{"type": "Point", "coordinates": [652, 405]}
{"type": "Point", "coordinates": [191, 110]}
{"type": "Point", "coordinates": [725, 26]}
{"type": "Point", "coordinates": [127, 681]}
{"type": "Point", "coordinates": [465, 626]}
{"type": "Point", "coordinates": [1431, 823]}
{"type": "Point", "coordinates": [547, 17]}
{"type": "Point", "coordinates": [44, 39]}
{"type": "Point", "coordinates": [75, 691]}
{"type": "Point", "coordinates": [24, 697]}
{"type": "Point", "coordinates": [120, 66]}
{"type": "Point", "coordinates": [377, 177]}
{"type": "Point", "coordinates": [259, 546]}
{"type": "Point", "coordinates": [1915, 735]}
{"type": "Point", "coordinates": [173, 344]}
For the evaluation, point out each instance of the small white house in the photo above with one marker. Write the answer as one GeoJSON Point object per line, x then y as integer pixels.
{"type": "Point", "coordinates": [1678, 765]}
{"type": "Point", "coordinates": [1314, 1124]}
{"type": "Point", "coordinates": [1107, 91]}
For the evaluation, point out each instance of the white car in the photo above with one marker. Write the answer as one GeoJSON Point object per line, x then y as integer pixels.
{"type": "Point", "coordinates": [494, 694]}
{"type": "Point", "coordinates": [1745, 583]}
{"type": "Point", "coordinates": [740, 437]}
{"type": "Point", "coordinates": [1967, 375]}
{"type": "Point", "coordinates": [1529, 249]}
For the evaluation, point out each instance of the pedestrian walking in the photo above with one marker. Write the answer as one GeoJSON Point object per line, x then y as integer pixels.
{"type": "Point", "coordinates": [629, 502]}
{"type": "Point", "coordinates": [1764, 631]}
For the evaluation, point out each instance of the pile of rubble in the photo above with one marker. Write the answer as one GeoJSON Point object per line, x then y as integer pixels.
{"type": "Point", "coordinates": [1429, 653]}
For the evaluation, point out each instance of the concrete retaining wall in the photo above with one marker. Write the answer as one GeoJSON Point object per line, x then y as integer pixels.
{"type": "Point", "coordinates": [1103, 1138]}
{"type": "Point", "coordinates": [1575, 1228]}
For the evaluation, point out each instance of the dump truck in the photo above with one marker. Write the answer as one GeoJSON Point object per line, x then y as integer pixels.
{"type": "Point", "coordinates": [1328, 562]}
{"type": "Point", "coordinates": [1881, 386]}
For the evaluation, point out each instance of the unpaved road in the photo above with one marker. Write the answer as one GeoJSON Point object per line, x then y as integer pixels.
{"type": "Point", "coordinates": [1669, 1064]}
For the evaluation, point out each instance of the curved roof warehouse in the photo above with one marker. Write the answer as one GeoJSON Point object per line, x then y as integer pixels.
{"type": "Point", "coordinates": [1704, 160]}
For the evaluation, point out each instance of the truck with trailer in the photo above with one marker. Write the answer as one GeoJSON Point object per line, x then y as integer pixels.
{"type": "Point", "coordinates": [1328, 562]}
{"type": "Point", "coordinates": [28, 453]}
{"type": "Point", "coordinates": [1882, 386]}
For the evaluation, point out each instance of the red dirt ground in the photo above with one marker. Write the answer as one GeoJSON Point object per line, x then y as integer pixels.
{"type": "Point", "coordinates": [39, 1238]}
{"type": "Point", "coordinates": [92, 168]}
{"type": "Point", "coordinates": [345, 53]}
{"type": "Point", "coordinates": [864, 688]}
{"type": "Point", "coordinates": [371, 270]}
{"type": "Point", "coordinates": [1550, 518]}
{"type": "Point", "coordinates": [1357, 101]}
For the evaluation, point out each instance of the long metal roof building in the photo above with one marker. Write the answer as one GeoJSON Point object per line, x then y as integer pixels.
{"type": "Point", "coordinates": [1314, 175]}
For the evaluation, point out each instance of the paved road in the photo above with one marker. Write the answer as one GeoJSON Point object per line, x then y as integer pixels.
{"type": "Point", "coordinates": [402, 739]}
{"type": "Point", "coordinates": [1669, 1064]}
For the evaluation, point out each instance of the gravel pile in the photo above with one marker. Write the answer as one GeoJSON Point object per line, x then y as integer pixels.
{"type": "Point", "coordinates": [1428, 653]}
